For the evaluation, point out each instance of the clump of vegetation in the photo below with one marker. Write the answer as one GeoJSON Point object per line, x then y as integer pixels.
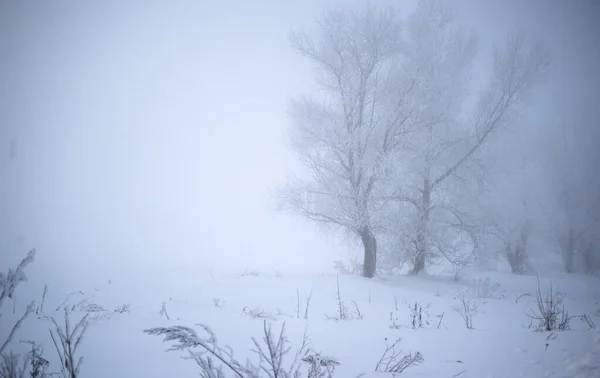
{"type": "Point", "coordinates": [550, 313]}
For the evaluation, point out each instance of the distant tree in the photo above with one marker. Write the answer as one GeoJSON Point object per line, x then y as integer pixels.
{"type": "Point", "coordinates": [442, 191]}
{"type": "Point", "coordinates": [510, 212]}
{"type": "Point", "coordinates": [438, 59]}
{"type": "Point", "coordinates": [573, 212]}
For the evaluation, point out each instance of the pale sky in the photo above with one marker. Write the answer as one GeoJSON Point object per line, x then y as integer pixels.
{"type": "Point", "coordinates": [150, 134]}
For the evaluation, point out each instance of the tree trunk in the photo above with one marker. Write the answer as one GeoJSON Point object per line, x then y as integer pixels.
{"type": "Point", "coordinates": [589, 254]}
{"type": "Point", "coordinates": [370, 245]}
{"type": "Point", "coordinates": [569, 253]}
{"type": "Point", "coordinates": [421, 239]}
{"type": "Point", "coordinates": [518, 257]}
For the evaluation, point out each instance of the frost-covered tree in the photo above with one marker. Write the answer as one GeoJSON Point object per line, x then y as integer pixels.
{"type": "Point", "coordinates": [391, 146]}
{"type": "Point", "coordinates": [510, 212]}
{"type": "Point", "coordinates": [441, 191]}
{"type": "Point", "coordinates": [437, 58]}
{"type": "Point", "coordinates": [345, 137]}
{"type": "Point", "coordinates": [573, 209]}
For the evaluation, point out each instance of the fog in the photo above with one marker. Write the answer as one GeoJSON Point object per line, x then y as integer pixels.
{"type": "Point", "coordinates": [139, 138]}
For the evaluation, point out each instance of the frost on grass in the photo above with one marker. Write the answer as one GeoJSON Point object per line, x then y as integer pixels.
{"type": "Point", "coordinates": [215, 361]}
{"type": "Point", "coordinates": [37, 363]}
{"type": "Point", "coordinates": [306, 307]}
{"type": "Point", "coordinates": [32, 365]}
{"type": "Point", "coordinates": [10, 280]}
{"type": "Point", "coordinates": [66, 341]}
{"type": "Point", "coordinates": [8, 283]}
{"type": "Point", "coordinates": [273, 352]}
{"type": "Point", "coordinates": [257, 313]}
{"type": "Point", "coordinates": [344, 311]}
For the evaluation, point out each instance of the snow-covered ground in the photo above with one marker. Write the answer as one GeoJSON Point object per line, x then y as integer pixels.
{"type": "Point", "coordinates": [501, 343]}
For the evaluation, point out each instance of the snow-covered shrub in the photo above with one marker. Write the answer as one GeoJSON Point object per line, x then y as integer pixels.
{"type": "Point", "coordinates": [394, 362]}
{"type": "Point", "coordinates": [257, 313]}
{"type": "Point", "coordinates": [124, 308]}
{"type": "Point", "coordinates": [550, 313]}
{"type": "Point", "coordinates": [467, 307]}
{"type": "Point", "coordinates": [319, 366]}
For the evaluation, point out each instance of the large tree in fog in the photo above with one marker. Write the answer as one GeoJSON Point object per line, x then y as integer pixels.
{"type": "Point", "coordinates": [344, 137]}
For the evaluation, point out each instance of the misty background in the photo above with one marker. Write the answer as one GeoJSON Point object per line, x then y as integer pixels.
{"type": "Point", "coordinates": [147, 137]}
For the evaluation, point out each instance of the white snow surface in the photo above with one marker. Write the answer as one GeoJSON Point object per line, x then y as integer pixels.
{"type": "Point", "coordinates": [501, 345]}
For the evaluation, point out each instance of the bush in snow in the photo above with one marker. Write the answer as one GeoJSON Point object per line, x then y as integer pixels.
{"type": "Point", "coordinates": [124, 308]}
{"type": "Point", "coordinates": [467, 308]}
{"type": "Point", "coordinates": [550, 313]}
{"type": "Point", "coordinates": [394, 362]}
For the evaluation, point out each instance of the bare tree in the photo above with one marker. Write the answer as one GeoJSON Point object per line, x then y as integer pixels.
{"type": "Point", "coordinates": [574, 218]}
{"type": "Point", "coordinates": [441, 195]}
{"type": "Point", "coordinates": [437, 59]}
{"type": "Point", "coordinates": [345, 139]}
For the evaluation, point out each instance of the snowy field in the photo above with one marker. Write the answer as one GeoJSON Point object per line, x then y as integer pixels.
{"type": "Point", "coordinates": [501, 344]}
